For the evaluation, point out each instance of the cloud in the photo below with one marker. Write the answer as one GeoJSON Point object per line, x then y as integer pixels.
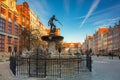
{"type": "Point", "coordinates": [101, 26]}
{"type": "Point", "coordinates": [93, 7]}
{"type": "Point", "coordinates": [106, 11]}
{"type": "Point", "coordinates": [107, 21]}
{"type": "Point", "coordinates": [66, 4]}
{"type": "Point", "coordinates": [108, 16]}
{"type": "Point", "coordinates": [81, 17]}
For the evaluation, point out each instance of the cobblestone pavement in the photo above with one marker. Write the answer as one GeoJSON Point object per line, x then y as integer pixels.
{"type": "Point", "coordinates": [103, 69]}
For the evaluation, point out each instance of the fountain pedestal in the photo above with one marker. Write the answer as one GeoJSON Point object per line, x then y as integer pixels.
{"type": "Point", "coordinates": [51, 47]}
{"type": "Point", "coordinates": [52, 39]}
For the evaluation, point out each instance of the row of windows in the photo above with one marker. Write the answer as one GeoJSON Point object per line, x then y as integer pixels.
{"type": "Point", "coordinates": [3, 12]}
{"type": "Point", "coordinates": [15, 41]}
{"type": "Point", "coordinates": [2, 27]}
{"type": "Point", "coordinates": [1, 42]}
{"type": "Point", "coordinates": [2, 37]}
{"type": "Point", "coordinates": [2, 46]}
{"type": "Point", "coordinates": [1, 49]}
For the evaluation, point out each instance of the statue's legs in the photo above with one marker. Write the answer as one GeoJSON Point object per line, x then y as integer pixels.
{"type": "Point", "coordinates": [53, 29]}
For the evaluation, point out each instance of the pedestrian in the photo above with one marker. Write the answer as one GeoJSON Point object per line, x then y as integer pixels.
{"type": "Point", "coordinates": [13, 64]}
{"type": "Point", "coordinates": [109, 55]}
{"type": "Point", "coordinates": [112, 55]}
{"type": "Point", "coordinates": [119, 56]}
{"type": "Point", "coordinates": [97, 55]}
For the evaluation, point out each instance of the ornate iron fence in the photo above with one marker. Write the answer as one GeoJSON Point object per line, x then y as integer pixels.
{"type": "Point", "coordinates": [51, 67]}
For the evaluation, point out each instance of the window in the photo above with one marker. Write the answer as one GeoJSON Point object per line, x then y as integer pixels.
{"type": "Point", "coordinates": [2, 11]}
{"type": "Point", "coordinates": [2, 24]}
{"type": "Point", "coordinates": [9, 40]}
{"type": "Point", "coordinates": [9, 27]}
{"type": "Point", "coordinates": [16, 30]}
{"type": "Point", "coordinates": [16, 41]}
{"type": "Point", "coordinates": [1, 43]}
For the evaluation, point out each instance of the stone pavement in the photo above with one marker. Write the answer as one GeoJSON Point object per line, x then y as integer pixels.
{"type": "Point", "coordinates": [103, 69]}
{"type": "Point", "coordinates": [5, 73]}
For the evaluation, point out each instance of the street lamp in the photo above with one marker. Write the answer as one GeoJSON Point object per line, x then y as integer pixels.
{"type": "Point", "coordinates": [59, 50]}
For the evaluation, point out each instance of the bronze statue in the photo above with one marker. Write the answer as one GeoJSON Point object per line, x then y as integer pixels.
{"type": "Point", "coordinates": [51, 24]}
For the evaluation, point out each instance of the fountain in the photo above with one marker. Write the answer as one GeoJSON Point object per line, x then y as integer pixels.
{"type": "Point", "coordinates": [52, 38]}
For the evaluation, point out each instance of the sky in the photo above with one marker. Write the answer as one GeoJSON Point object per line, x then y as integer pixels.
{"type": "Point", "coordinates": [78, 17]}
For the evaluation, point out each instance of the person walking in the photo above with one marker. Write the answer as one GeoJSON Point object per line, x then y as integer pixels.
{"type": "Point", "coordinates": [119, 56]}
{"type": "Point", "coordinates": [13, 64]}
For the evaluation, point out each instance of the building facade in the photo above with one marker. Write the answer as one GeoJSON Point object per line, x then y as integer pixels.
{"type": "Point", "coordinates": [9, 26]}
{"type": "Point", "coordinates": [88, 44]}
{"type": "Point", "coordinates": [34, 20]}
{"type": "Point", "coordinates": [91, 43]}
{"type": "Point", "coordinates": [101, 32]}
{"type": "Point", "coordinates": [24, 14]}
{"type": "Point", "coordinates": [95, 40]}
{"type": "Point", "coordinates": [105, 42]}
{"type": "Point", "coordinates": [13, 19]}
{"type": "Point", "coordinates": [116, 39]}
{"type": "Point", "coordinates": [110, 40]}
{"type": "Point", "coordinates": [72, 48]}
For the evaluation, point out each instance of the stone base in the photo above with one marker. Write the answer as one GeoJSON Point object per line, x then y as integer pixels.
{"type": "Point", "coordinates": [52, 48]}
{"type": "Point", "coordinates": [62, 56]}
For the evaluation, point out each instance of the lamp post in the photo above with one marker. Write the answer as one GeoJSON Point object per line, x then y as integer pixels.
{"type": "Point", "coordinates": [59, 50]}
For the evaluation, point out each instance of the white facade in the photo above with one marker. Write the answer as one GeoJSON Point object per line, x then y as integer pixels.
{"type": "Point", "coordinates": [36, 25]}
{"type": "Point", "coordinates": [34, 20]}
{"type": "Point", "coordinates": [91, 44]}
{"type": "Point", "coordinates": [100, 41]}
